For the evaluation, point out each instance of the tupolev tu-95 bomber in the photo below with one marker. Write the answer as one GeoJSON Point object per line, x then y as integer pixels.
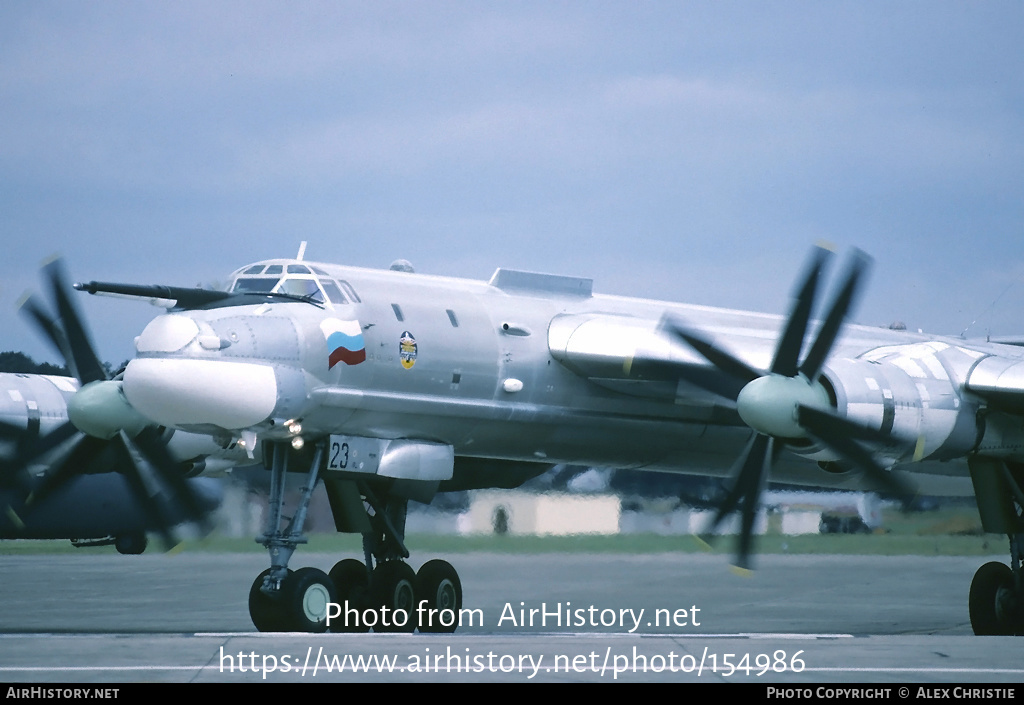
{"type": "Point", "coordinates": [390, 386]}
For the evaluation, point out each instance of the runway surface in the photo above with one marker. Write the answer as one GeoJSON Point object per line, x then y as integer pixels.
{"type": "Point", "coordinates": [796, 619]}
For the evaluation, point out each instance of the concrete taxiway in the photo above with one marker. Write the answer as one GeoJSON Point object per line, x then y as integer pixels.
{"type": "Point", "coordinates": [565, 617]}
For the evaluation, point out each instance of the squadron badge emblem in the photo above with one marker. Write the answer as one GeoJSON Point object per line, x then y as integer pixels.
{"type": "Point", "coordinates": [407, 350]}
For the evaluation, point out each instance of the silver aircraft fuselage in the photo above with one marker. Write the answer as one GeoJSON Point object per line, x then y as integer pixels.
{"type": "Point", "coordinates": [536, 368]}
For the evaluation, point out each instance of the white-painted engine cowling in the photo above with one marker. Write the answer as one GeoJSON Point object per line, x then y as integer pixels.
{"type": "Point", "coordinates": [918, 405]}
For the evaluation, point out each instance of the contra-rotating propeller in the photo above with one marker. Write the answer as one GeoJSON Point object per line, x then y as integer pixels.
{"type": "Point", "coordinates": [786, 403]}
{"type": "Point", "coordinates": [103, 430]}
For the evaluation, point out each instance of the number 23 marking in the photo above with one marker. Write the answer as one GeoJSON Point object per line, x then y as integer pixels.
{"type": "Point", "coordinates": [339, 452]}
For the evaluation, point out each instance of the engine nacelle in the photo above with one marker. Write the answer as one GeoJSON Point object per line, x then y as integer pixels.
{"type": "Point", "coordinates": [911, 393]}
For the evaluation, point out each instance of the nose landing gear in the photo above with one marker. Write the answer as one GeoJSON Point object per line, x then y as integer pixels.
{"type": "Point", "coordinates": [389, 596]}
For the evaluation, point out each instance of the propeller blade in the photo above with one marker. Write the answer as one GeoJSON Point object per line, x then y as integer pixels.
{"type": "Point", "coordinates": [751, 502]}
{"type": "Point", "coordinates": [787, 354]}
{"type": "Point", "coordinates": [842, 436]}
{"type": "Point", "coordinates": [154, 449]}
{"type": "Point", "coordinates": [715, 381]}
{"type": "Point", "coordinates": [87, 364]}
{"type": "Point", "coordinates": [48, 325]}
{"type": "Point", "coordinates": [17, 434]}
{"type": "Point", "coordinates": [829, 422]}
{"type": "Point", "coordinates": [83, 452]}
{"type": "Point", "coordinates": [40, 446]}
{"type": "Point", "coordinates": [841, 306]}
{"type": "Point", "coordinates": [146, 493]}
{"type": "Point", "coordinates": [721, 359]}
{"type": "Point", "coordinates": [750, 471]}
{"type": "Point", "coordinates": [699, 375]}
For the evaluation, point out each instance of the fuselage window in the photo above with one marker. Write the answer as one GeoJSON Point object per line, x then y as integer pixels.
{"type": "Point", "coordinates": [452, 318]}
{"type": "Point", "coordinates": [398, 312]}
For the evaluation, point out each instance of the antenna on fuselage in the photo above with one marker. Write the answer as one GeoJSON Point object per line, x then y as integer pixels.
{"type": "Point", "coordinates": [963, 333]}
{"type": "Point", "coordinates": [302, 251]}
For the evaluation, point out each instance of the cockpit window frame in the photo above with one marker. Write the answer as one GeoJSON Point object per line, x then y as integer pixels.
{"type": "Point", "coordinates": [253, 290]}
{"type": "Point", "coordinates": [329, 291]}
{"type": "Point", "coordinates": [332, 290]}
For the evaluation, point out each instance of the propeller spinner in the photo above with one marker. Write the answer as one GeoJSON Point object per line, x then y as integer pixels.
{"type": "Point", "coordinates": [787, 402]}
{"type": "Point", "coordinates": [103, 429]}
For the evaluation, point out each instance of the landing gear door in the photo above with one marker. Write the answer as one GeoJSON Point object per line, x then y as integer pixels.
{"type": "Point", "coordinates": [398, 458]}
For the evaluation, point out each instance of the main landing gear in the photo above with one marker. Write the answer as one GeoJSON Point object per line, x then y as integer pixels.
{"type": "Point", "coordinates": [997, 592]}
{"type": "Point", "coordinates": [997, 595]}
{"type": "Point", "coordinates": [383, 593]}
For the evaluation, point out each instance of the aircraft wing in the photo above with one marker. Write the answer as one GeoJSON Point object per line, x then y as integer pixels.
{"type": "Point", "coordinates": [1000, 382]}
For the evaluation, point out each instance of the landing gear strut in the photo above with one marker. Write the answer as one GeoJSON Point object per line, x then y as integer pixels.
{"type": "Point", "coordinates": [280, 599]}
{"type": "Point", "coordinates": [383, 594]}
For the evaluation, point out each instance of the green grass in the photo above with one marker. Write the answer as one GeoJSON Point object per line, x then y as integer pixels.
{"type": "Point", "coordinates": [948, 532]}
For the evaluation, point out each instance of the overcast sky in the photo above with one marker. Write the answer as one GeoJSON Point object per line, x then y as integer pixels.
{"type": "Point", "coordinates": [688, 151]}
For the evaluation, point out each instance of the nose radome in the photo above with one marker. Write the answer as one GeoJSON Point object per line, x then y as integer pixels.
{"type": "Point", "coordinates": [183, 392]}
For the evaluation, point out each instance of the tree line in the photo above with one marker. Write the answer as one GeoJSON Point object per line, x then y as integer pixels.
{"type": "Point", "coordinates": [12, 361]}
{"type": "Point", "coordinates": [20, 363]}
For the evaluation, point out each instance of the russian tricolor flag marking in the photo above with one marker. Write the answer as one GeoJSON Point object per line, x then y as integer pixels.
{"type": "Point", "coordinates": [344, 342]}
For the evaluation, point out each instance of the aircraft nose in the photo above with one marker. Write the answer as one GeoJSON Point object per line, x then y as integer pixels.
{"type": "Point", "coordinates": [180, 393]}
